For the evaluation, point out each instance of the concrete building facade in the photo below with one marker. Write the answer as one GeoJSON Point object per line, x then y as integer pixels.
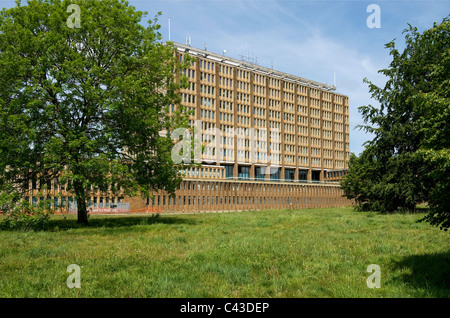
{"type": "Point", "coordinates": [271, 140]}
{"type": "Point", "coordinates": [298, 127]}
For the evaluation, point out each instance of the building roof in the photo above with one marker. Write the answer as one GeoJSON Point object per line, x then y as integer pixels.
{"type": "Point", "coordinates": [251, 67]}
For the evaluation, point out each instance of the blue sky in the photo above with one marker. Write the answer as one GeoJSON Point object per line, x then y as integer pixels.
{"type": "Point", "coordinates": [311, 39]}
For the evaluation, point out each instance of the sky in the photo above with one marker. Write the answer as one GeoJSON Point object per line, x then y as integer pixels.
{"type": "Point", "coordinates": [325, 41]}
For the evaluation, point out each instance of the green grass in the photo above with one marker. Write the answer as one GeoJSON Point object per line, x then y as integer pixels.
{"type": "Point", "coordinates": [302, 253]}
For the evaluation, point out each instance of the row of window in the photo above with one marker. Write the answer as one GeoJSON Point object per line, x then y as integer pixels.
{"type": "Point", "coordinates": [204, 113]}
{"type": "Point", "coordinates": [274, 125]}
{"type": "Point", "coordinates": [288, 108]}
{"type": "Point", "coordinates": [261, 145]}
{"type": "Point", "coordinates": [243, 120]}
{"type": "Point", "coordinates": [225, 69]}
{"type": "Point", "coordinates": [274, 104]}
{"type": "Point", "coordinates": [327, 163]}
{"type": "Point", "coordinates": [274, 92]}
{"type": "Point", "coordinates": [206, 101]}
{"type": "Point", "coordinates": [289, 138]}
{"type": "Point", "coordinates": [289, 128]}
{"type": "Point", "coordinates": [243, 173]}
{"type": "Point", "coordinates": [302, 100]}
{"type": "Point", "coordinates": [259, 100]}
{"type": "Point", "coordinates": [68, 201]}
{"type": "Point", "coordinates": [208, 114]}
{"type": "Point", "coordinates": [335, 174]}
{"type": "Point", "coordinates": [225, 81]}
{"type": "Point", "coordinates": [314, 102]}
{"type": "Point", "coordinates": [207, 65]}
{"type": "Point", "coordinates": [189, 73]}
{"type": "Point", "coordinates": [257, 89]}
{"type": "Point", "coordinates": [258, 122]}
{"type": "Point", "coordinates": [56, 185]}
{"type": "Point", "coordinates": [273, 114]}
{"type": "Point", "coordinates": [243, 108]}
{"type": "Point", "coordinates": [289, 148]}
{"type": "Point", "coordinates": [315, 132]}
{"type": "Point", "coordinates": [289, 160]}
{"type": "Point", "coordinates": [259, 78]}
{"type": "Point", "coordinates": [273, 82]}
{"type": "Point", "coordinates": [225, 93]}
{"type": "Point", "coordinates": [225, 105]}
{"type": "Point", "coordinates": [327, 124]}
{"type": "Point", "coordinates": [259, 111]}
{"type": "Point", "coordinates": [243, 97]}
{"type": "Point", "coordinates": [288, 96]}
{"type": "Point", "coordinates": [327, 153]}
{"type": "Point", "coordinates": [207, 89]}
{"type": "Point", "coordinates": [225, 117]}
{"type": "Point", "coordinates": [261, 142]}
{"type": "Point", "coordinates": [243, 74]}
{"type": "Point", "coordinates": [187, 98]}
{"type": "Point", "coordinates": [275, 158]}
{"type": "Point", "coordinates": [207, 77]}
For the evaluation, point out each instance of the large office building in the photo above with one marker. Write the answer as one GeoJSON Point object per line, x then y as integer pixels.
{"type": "Point", "coordinates": [252, 117]}
{"type": "Point", "coordinates": [270, 139]}
{"type": "Point", "coordinates": [267, 140]}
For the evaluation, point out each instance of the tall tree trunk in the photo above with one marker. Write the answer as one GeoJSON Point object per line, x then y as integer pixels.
{"type": "Point", "coordinates": [81, 203]}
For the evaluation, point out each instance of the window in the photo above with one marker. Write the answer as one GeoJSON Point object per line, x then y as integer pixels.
{"type": "Point", "coordinates": [244, 172]}
{"type": "Point", "coordinates": [289, 174]}
{"type": "Point", "coordinates": [276, 175]}
{"type": "Point", "coordinates": [260, 172]}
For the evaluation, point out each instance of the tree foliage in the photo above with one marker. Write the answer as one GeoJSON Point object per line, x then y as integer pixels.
{"type": "Point", "coordinates": [86, 105]}
{"type": "Point", "coordinates": [408, 159]}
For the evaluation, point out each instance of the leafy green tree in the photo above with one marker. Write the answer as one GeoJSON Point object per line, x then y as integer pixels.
{"type": "Point", "coordinates": [434, 109]}
{"type": "Point", "coordinates": [86, 103]}
{"type": "Point", "coordinates": [405, 163]}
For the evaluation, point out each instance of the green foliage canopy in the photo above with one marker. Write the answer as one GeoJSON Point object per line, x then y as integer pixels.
{"type": "Point", "coordinates": [408, 160]}
{"type": "Point", "coordinates": [86, 104]}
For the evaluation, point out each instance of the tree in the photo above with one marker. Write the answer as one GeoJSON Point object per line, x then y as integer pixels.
{"type": "Point", "coordinates": [86, 103]}
{"type": "Point", "coordinates": [434, 108]}
{"type": "Point", "coordinates": [407, 161]}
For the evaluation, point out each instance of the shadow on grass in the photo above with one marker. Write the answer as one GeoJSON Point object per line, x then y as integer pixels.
{"type": "Point", "coordinates": [429, 272]}
{"type": "Point", "coordinates": [119, 221]}
{"type": "Point", "coordinates": [62, 224]}
{"type": "Point", "coordinates": [417, 210]}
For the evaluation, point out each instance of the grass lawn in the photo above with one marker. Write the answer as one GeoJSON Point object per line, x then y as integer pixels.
{"type": "Point", "coordinates": [301, 253]}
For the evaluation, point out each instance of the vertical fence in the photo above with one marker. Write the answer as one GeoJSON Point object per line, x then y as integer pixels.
{"type": "Point", "coordinates": [237, 195]}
